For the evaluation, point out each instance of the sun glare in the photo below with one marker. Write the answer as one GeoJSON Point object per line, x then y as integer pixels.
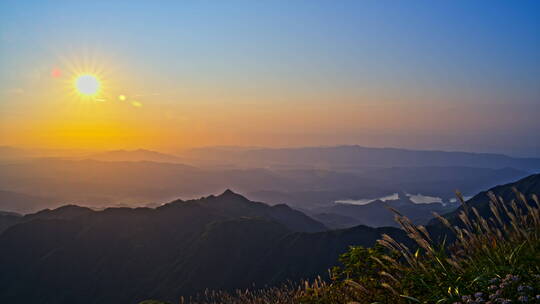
{"type": "Point", "coordinates": [87, 85]}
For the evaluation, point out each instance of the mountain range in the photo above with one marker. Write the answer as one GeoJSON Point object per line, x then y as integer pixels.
{"type": "Point", "coordinates": [125, 255]}
{"type": "Point", "coordinates": [354, 157]}
{"type": "Point", "coordinates": [100, 183]}
{"type": "Point", "coordinates": [136, 155]}
{"type": "Point", "coordinates": [376, 213]}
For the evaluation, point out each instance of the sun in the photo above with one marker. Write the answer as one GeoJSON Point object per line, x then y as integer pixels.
{"type": "Point", "coordinates": [87, 85]}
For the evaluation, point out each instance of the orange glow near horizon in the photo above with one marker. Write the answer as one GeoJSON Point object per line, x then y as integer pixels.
{"type": "Point", "coordinates": [82, 104]}
{"type": "Point", "coordinates": [93, 102]}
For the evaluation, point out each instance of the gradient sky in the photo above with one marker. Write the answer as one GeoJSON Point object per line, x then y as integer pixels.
{"type": "Point", "coordinates": [452, 75]}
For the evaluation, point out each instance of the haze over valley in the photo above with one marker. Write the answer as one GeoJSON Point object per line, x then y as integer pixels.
{"type": "Point", "coordinates": [343, 175]}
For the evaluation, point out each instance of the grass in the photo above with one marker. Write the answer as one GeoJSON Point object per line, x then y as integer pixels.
{"type": "Point", "coordinates": [494, 259]}
{"type": "Point", "coordinates": [285, 294]}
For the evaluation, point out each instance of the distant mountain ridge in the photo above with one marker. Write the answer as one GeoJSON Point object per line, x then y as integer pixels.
{"type": "Point", "coordinates": [226, 205]}
{"type": "Point", "coordinates": [104, 183]}
{"type": "Point", "coordinates": [307, 178]}
{"type": "Point", "coordinates": [354, 156]}
{"type": "Point", "coordinates": [136, 155]}
{"type": "Point", "coordinates": [329, 157]}
{"type": "Point", "coordinates": [377, 213]}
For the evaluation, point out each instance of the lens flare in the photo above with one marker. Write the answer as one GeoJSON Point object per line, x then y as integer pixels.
{"type": "Point", "coordinates": [56, 73]}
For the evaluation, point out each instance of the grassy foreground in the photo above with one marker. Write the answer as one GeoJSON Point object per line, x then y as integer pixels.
{"type": "Point", "coordinates": [493, 259]}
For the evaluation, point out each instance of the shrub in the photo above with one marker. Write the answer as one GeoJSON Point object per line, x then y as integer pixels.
{"type": "Point", "coordinates": [505, 245]}
{"type": "Point", "coordinates": [490, 260]}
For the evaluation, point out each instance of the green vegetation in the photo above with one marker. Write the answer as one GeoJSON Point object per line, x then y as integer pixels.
{"type": "Point", "coordinates": [492, 258]}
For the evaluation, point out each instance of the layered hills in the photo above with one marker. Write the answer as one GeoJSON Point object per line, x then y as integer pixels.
{"type": "Point", "coordinates": [180, 248]}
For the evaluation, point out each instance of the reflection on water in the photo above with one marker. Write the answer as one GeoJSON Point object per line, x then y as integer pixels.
{"type": "Point", "coordinates": [466, 198]}
{"type": "Point", "coordinates": [415, 198]}
{"type": "Point", "coordinates": [391, 197]}
{"type": "Point", "coordinates": [424, 199]}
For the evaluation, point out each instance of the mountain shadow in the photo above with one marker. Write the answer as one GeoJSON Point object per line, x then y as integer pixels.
{"type": "Point", "coordinates": [121, 255]}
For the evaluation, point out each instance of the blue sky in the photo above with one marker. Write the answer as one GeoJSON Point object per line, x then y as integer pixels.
{"type": "Point", "coordinates": [476, 58]}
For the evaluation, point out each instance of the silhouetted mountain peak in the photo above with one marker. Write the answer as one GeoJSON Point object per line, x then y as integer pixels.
{"type": "Point", "coordinates": [229, 194]}
{"type": "Point", "coordinates": [71, 207]}
{"type": "Point", "coordinates": [282, 206]}
{"type": "Point", "coordinates": [227, 197]}
{"type": "Point", "coordinates": [66, 211]}
{"type": "Point", "coordinates": [65, 208]}
{"type": "Point", "coordinates": [176, 201]}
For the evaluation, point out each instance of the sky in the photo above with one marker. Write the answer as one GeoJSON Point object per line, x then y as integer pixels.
{"type": "Point", "coordinates": [445, 75]}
